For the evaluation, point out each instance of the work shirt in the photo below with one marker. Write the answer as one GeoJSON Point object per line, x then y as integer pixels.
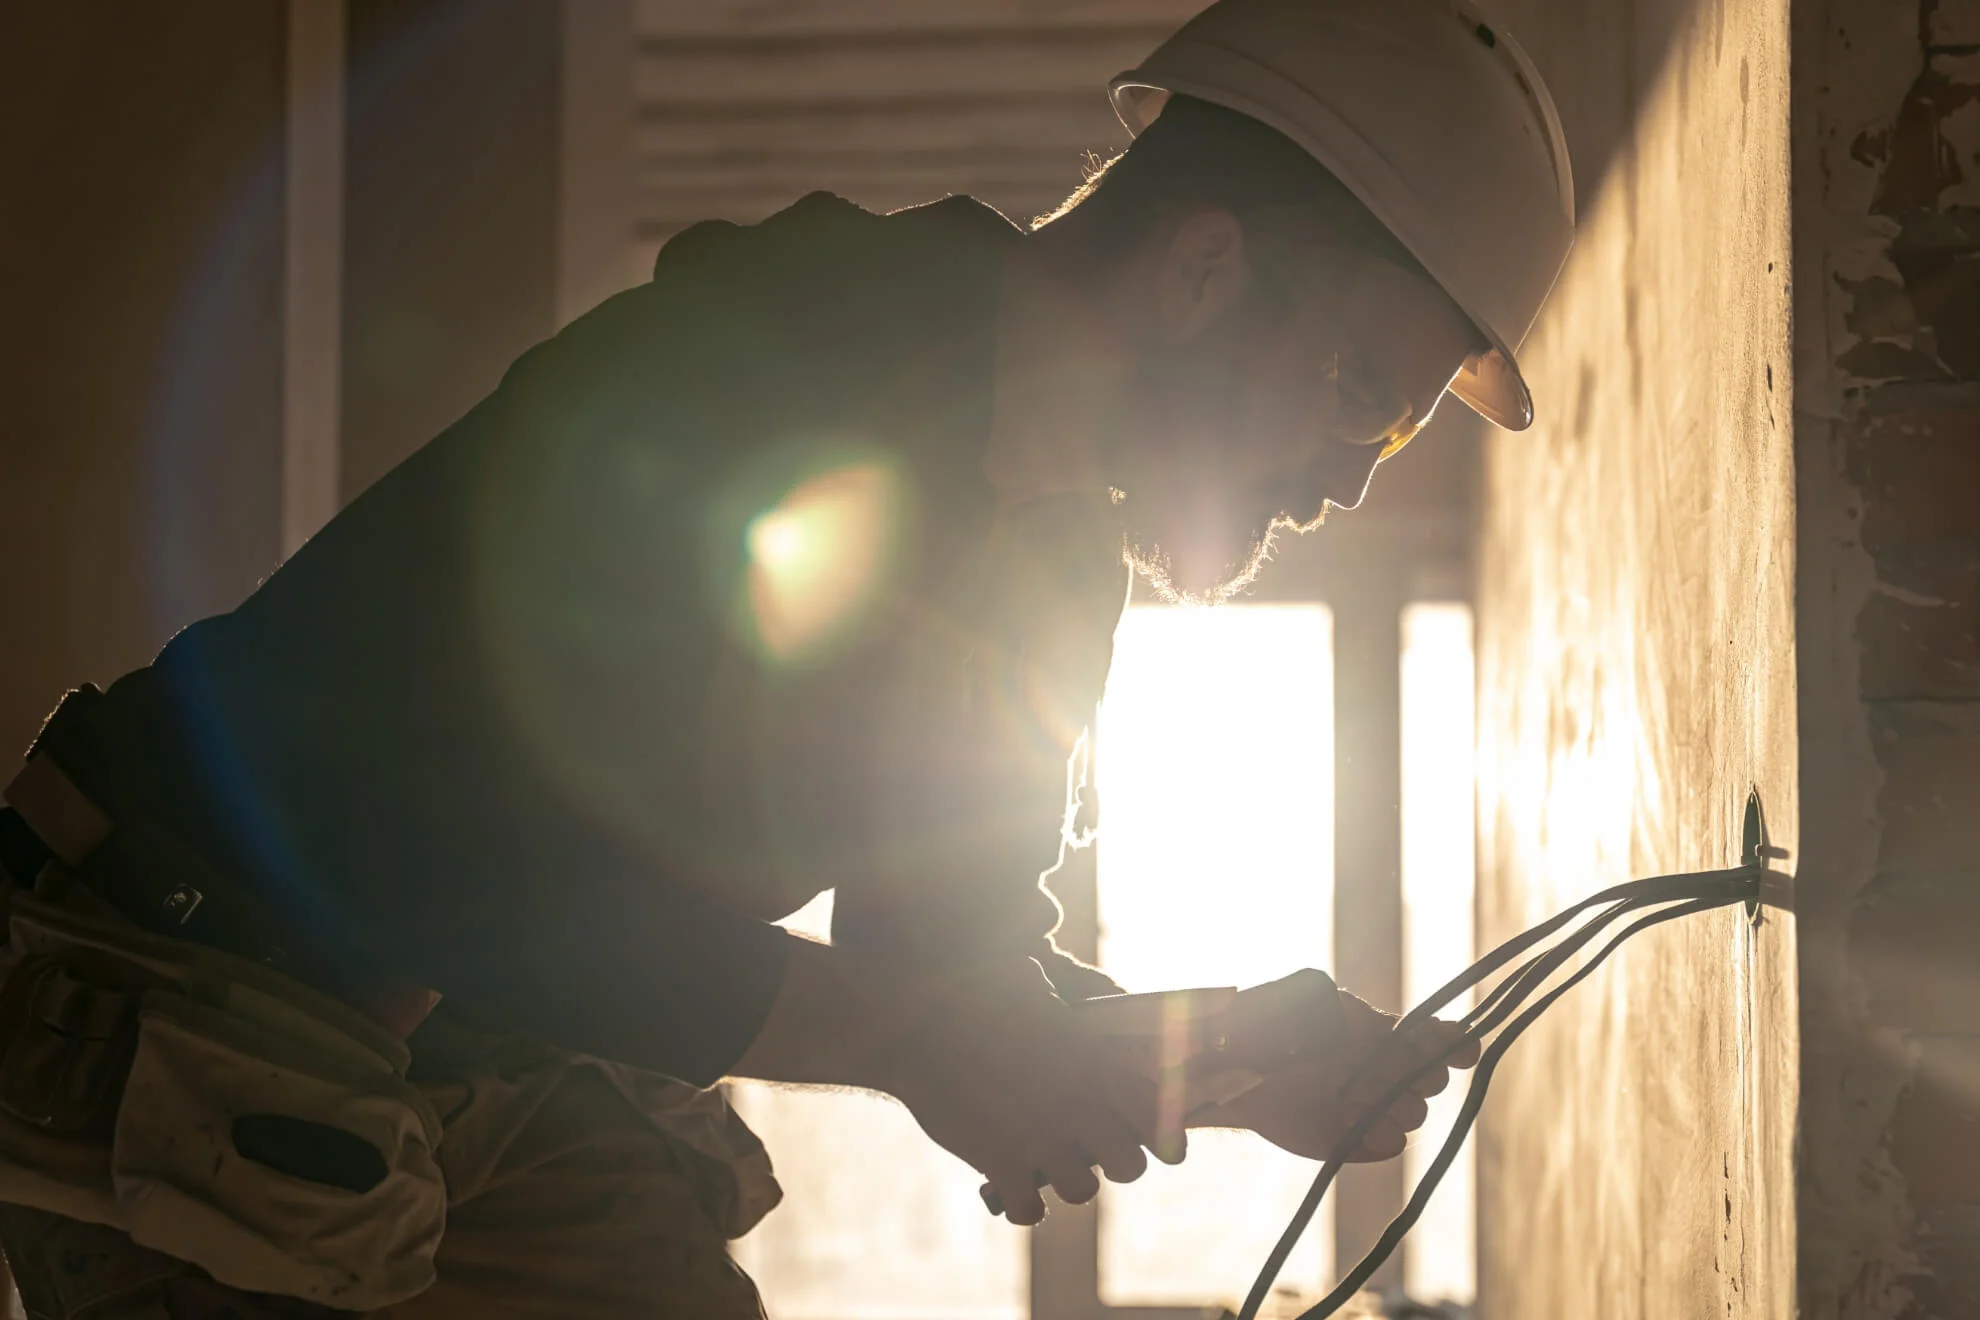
{"type": "Point", "coordinates": [705, 610]}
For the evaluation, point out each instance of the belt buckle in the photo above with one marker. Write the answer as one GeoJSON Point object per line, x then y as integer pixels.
{"type": "Point", "coordinates": [181, 903]}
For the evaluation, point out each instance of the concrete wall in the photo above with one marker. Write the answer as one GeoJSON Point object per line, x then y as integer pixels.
{"type": "Point", "coordinates": [1636, 649]}
{"type": "Point", "coordinates": [141, 349]}
{"type": "Point", "coordinates": [1887, 413]}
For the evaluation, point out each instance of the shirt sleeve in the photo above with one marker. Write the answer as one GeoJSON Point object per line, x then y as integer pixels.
{"type": "Point", "coordinates": [673, 983]}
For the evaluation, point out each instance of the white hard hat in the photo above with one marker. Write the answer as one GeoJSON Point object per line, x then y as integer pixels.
{"type": "Point", "coordinates": [1430, 114]}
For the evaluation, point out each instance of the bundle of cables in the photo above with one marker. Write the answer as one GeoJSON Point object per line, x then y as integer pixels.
{"type": "Point", "coordinates": [1501, 1015]}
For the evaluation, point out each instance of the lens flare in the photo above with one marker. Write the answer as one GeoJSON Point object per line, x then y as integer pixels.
{"type": "Point", "coordinates": [777, 542]}
{"type": "Point", "coordinates": [818, 559]}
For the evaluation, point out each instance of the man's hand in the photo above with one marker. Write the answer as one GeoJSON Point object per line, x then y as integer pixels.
{"type": "Point", "coordinates": [999, 1073]}
{"type": "Point", "coordinates": [1328, 1056]}
{"type": "Point", "coordinates": [993, 1066]}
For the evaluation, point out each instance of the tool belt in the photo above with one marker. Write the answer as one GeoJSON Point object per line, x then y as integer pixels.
{"type": "Point", "coordinates": [163, 1072]}
{"type": "Point", "coordinates": [147, 875]}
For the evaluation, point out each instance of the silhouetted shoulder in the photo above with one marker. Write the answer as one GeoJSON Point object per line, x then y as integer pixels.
{"type": "Point", "coordinates": [822, 221]}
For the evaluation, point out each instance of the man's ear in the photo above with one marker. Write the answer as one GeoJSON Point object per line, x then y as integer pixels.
{"type": "Point", "coordinates": [1205, 272]}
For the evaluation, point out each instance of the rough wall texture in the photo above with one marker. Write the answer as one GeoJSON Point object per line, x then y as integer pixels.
{"type": "Point", "coordinates": [1887, 351]}
{"type": "Point", "coordinates": [1636, 640]}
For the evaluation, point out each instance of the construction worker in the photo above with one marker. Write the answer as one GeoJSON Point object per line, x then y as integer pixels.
{"type": "Point", "coordinates": [795, 568]}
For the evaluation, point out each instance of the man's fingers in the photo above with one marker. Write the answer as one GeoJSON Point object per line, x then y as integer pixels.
{"type": "Point", "coordinates": [1068, 1170]}
{"type": "Point", "coordinates": [1432, 1082]}
{"type": "Point", "coordinates": [1136, 1102]}
{"type": "Point", "coordinates": [1110, 1136]}
{"type": "Point", "coordinates": [1376, 1080]}
{"type": "Point", "coordinates": [1409, 1112]}
{"type": "Point", "coordinates": [1446, 1043]}
{"type": "Point", "coordinates": [1384, 1141]}
{"type": "Point", "coordinates": [1016, 1189]}
{"type": "Point", "coordinates": [1122, 1159]}
{"type": "Point", "coordinates": [1438, 1042]}
{"type": "Point", "coordinates": [1070, 1174]}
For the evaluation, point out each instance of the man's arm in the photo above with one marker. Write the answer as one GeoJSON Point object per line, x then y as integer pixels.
{"type": "Point", "coordinates": [992, 1065]}
{"type": "Point", "coordinates": [1324, 1056]}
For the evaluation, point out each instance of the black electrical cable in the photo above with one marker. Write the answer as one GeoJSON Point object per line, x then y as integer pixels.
{"type": "Point", "coordinates": [1373, 1113]}
{"type": "Point", "coordinates": [1657, 888]}
{"type": "Point", "coordinates": [1694, 892]}
{"type": "Point", "coordinates": [1474, 1100]}
{"type": "Point", "coordinates": [1714, 888]}
{"type": "Point", "coordinates": [1542, 967]}
{"type": "Point", "coordinates": [1519, 981]}
{"type": "Point", "coordinates": [1729, 885]}
{"type": "Point", "coordinates": [1513, 989]}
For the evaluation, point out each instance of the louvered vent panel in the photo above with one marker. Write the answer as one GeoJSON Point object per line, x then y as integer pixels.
{"type": "Point", "coordinates": [746, 105]}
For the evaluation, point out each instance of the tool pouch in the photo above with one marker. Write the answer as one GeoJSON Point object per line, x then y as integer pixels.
{"type": "Point", "coordinates": [68, 1048]}
{"type": "Point", "coordinates": [215, 1111]}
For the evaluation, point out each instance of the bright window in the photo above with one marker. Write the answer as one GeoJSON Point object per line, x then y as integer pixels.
{"type": "Point", "coordinates": [1215, 762]}
{"type": "Point", "coordinates": [878, 1222]}
{"type": "Point", "coordinates": [1440, 1261]}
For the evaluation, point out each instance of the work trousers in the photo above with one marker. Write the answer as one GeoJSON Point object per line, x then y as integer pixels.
{"type": "Point", "coordinates": [576, 1188]}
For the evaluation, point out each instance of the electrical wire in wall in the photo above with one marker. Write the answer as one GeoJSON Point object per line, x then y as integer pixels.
{"type": "Point", "coordinates": [1658, 900]}
{"type": "Point", "coordinates": [1534, 970]}
{"type": "Point", "coordinates": [1528, 986]}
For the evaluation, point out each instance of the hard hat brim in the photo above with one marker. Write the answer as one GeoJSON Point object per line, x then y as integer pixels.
{"type": "Point", "coordinates": [1490, 385]}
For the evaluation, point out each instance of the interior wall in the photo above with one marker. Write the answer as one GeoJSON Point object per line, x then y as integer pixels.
{"type": "Point", "coordinates": [1636, 678]}
{"type": "Point", "coordinates": [140, 354]}
{"type": "Point", "coordinates": [1887, 411]}
{"type": "Point", "coordinates": [451, 253]}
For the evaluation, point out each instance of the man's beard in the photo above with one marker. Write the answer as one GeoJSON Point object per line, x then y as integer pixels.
{"type": "Point", "coordinates": [1192, 533]}
{"type": "Point", "coordinates": [1203, 550]}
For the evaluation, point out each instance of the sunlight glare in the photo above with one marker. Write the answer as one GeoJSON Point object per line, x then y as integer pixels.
{"type": "Point", "coordinates": [1216, 776]}
{"type": "Point", "coordinates": [1440, 1261]}
{"type": "Point", "coordinates": [878, 1222]}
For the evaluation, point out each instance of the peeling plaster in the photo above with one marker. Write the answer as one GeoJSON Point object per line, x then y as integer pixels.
{"type": "Point", "coordinates": [1898, 593]}
{"type": "Point", "coordinates": [1886, 133]}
